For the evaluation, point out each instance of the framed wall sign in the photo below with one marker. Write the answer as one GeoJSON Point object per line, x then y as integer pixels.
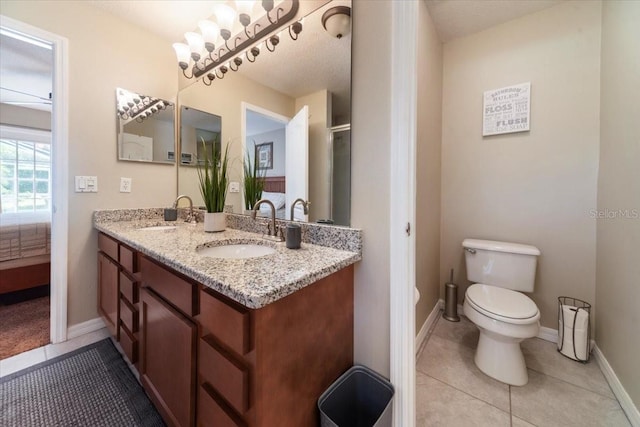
{"type": "Point", "coordinates": [506, 110]}
{"type": "Point", "coordinates": [264, 155]}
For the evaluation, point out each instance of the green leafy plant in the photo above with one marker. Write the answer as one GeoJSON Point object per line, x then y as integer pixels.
{"type": "Point", "coordinates": [253, 181]}
{"type": "Point", "coordinates": [213, 177]}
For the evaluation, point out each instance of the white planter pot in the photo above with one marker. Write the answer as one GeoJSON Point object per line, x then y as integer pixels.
{"type": "Point", "coordinates": [215, 221]}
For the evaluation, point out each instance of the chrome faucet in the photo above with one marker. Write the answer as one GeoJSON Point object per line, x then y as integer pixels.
{"type": "Point", "coordinates": [273, 233]}
{"type": "Point", "coordinates": [191, 218]}
{"type": "Point", "coordinates": [305, 206]}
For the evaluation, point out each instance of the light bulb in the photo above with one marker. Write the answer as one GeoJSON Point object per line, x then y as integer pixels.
{"type": "Point", "coordinates": [183, 53]}
{"type": "Point", "coordinates": [210, 32]}
{"type": "Point", "coordinates": [196, 44]}
{"type": "Point", "coordinates": [225, 16]}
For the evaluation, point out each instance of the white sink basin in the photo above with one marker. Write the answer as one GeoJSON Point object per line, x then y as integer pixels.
{"type": "Point", "coordinates": [159, 227]}
{"type": "Point", "coordinates": [237, 251]}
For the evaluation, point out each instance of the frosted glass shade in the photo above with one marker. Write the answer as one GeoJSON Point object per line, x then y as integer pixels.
{"type": "Point", "coordinates": [225, 16]}
{"type": "Point", "coordinates": [196, 44]}
{"type": "Point", "coordinates": [182, 52]}
{"type": "Point", "coordinates": [210, 31]}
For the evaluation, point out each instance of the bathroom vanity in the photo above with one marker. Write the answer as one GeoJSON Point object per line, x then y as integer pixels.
{"type": "Point", "coordinates": [226, 342]}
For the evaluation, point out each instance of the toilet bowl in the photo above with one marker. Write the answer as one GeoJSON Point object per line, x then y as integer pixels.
{"type": "Point", "coordinates": [504, 318]}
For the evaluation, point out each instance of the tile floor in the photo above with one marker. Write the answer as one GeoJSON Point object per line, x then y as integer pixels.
{"type": "Point", "coordinates": [452, 391]}
{"type": "Point", "coordinates": [40, 354]}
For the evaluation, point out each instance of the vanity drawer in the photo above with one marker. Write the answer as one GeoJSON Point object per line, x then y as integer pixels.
{"type": "Point", "coordinates": [128, 316]}
{"type": "Point", "coordinates": [129, 345]}
{"type": "Point", "coordinates": [228, 323]}
{"type": "Point", "coordinates": [109, 246]}
{"type": "Point", "coordinates": [211, 413]}
{"type": "Point", "coordinates": [170, 286]}
{"type": "Point", "coordinates": [227, 376]}
{"type": "Point", "coordinates": [128, 259]}
{"type": "Point", "coordinates": [128, 288]}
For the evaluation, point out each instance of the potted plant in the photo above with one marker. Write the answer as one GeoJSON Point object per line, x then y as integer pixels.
{"type": "Point", "coordinates": [253, 181]}
{"type": "Point", "coordinates": [213, 177]}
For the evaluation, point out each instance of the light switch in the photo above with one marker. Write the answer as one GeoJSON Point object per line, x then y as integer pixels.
{"type": "Point", "coordinates": [81, 184]}
{"type": "Point", "coordinates": [92, 184]}
{"type": "Point", "coordinates": [86, 184]}
{"type": "Point", "coordinates": [234, 187]}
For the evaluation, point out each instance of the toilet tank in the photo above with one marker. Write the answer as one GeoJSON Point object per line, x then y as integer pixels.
{"type": "Point", "coordinates": [503, 264]}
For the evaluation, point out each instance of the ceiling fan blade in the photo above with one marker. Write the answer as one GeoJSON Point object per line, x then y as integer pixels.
{"type": "Point", "coordinates": [28, 94]}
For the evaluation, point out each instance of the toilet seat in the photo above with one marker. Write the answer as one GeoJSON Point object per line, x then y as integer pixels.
{"type": "Point", "coordinates": [502, 304]}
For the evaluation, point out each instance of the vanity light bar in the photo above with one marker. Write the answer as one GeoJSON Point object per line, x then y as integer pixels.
{"type": "Point", "coordinates": [205, 58]}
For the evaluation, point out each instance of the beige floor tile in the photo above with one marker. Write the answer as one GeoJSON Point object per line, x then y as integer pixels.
{"type": "Point", "coordinates": [543, 356]}
{"type": "Point", "coordinates": [452, 363]}
{"type": "Point", "coordinates": [517, 422]}
{"type": "Point", "coordinates": [548, 401]}
{"type": "Point", "coordinates": [22, 361]}
{"type": "Point", "coordinates": [438, 404]}
{"type": "Point", "coordinates": [463, 332]}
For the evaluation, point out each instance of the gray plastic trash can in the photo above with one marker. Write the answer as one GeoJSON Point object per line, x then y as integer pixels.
{"type": "Point", "coordinates": [359, 398]}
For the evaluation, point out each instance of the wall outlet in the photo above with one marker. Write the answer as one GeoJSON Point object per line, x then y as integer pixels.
{"type": "Point", "coordinates": [125, 185]}
{"type": "Point", "coordinates": [234, 187]}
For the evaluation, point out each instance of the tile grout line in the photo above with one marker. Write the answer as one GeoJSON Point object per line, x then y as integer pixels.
{"type": "Point", "coordinates": [462, 391]}
{"type": "Point", "coordinates": [576, 385]}
{"type": "Point", "coordinates": [510, 409]}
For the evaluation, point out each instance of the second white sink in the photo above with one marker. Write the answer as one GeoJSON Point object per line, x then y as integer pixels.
{"type": "Point", "coordinates": [236, 251]}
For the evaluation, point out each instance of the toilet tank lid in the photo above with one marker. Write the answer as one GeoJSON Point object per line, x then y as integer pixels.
{"type": "Point", "coordinates": [492, 245]}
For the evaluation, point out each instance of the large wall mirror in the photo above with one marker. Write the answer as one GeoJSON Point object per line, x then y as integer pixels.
{"type": "Point", "coordinates": [291, 108]}
{"type": "Point", "coordinates": [145, 128]}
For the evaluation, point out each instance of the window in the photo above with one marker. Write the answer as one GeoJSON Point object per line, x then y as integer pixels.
{"type": "Point", "coordinates": [25, 172]}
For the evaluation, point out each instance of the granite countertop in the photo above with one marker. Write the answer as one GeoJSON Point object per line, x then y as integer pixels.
{"type": "Point", "coordinates": [253, 282]}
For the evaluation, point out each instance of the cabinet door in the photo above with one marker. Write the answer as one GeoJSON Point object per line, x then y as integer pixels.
{"type": "Point", "coordinates": [168, 359]}
{"type": "Point", "coordinates": [108, 292]}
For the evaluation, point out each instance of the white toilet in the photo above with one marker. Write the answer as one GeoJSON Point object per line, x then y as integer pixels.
{"type": "Point", "coordinates": [500, 271]}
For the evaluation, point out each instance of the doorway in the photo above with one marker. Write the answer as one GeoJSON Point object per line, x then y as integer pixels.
{"type": "Point", "coordinates": [57, 180]}
{"type": "Point", "coordinates": [280, 146]}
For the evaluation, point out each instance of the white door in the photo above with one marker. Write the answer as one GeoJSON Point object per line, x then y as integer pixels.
{"type": "Point", "coordinates": [297, 162]}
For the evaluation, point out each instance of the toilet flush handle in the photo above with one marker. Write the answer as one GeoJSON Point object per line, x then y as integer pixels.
{"type": "Point", "coordinates": [471, 251]}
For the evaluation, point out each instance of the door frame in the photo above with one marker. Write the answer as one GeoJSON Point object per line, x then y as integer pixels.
{"type": "Point", "coordinates": [244, 107]}
{"type": "Point", "coordinates": [402, 212]}
{"type": "Point", "coordinates": [60, 172]}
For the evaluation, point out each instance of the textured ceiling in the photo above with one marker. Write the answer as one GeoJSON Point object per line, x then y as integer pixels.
{"type": "Point", "coordinates": [459, 18]}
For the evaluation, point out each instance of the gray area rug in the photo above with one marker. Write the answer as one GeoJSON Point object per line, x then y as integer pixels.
{"type": "Point", "coordinates": [91, 386]}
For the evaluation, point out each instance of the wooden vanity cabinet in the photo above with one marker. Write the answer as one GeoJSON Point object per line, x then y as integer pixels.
{"type": "Point", "coordinates": [118, 290]}
{"type": "Point", "coordinates": [168, 337]}
{"type": "Point", "coordinates": [108, 292]}
{"type": "Point", "coordinates": [207, 360]}
{"type": "Point", "coordinates": [268, 367]}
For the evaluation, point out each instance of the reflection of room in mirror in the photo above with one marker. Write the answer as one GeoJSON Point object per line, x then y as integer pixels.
{"type": "Point", "coordinates": [283, 82]}
{"type": "Point", "coordinates": [145, 128]}
{"type": "Point", "coordinates": [199, 131]}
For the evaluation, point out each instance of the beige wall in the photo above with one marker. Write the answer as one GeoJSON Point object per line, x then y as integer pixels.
{"type": "Point", "coordinates": [533, 187]}
{"type": "Point", "coordinates": [25, 117]}
{"type": "Point", "coordinates": [428, 168]}
{"type": "Point", "coordinates": [370, 124]}
{"type": "Point", "coordinates": [617, 268]}
{"type": "Point", "coordinates": [319, 104]}
{"type": "Point", "coordinates": [104, 53]}
{"type": "Point", "coordinates": [224, 98]}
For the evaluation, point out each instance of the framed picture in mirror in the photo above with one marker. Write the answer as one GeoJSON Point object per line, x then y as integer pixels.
{"type": "Point", "coordinates": [264, 154]}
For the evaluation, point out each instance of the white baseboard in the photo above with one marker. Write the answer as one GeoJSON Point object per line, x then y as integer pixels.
{"type": "Point", "coordinates": [618, 389]}
{"type": "Point", "coordinates": [85, 328]}
{"type": "Point", "coordinates": [548, 334]}
{"type": "Point", "coordinates": [426, 326]}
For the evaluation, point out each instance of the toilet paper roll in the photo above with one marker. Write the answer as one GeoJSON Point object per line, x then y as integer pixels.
{"type": "Point", "coordinates": [573, 344]}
